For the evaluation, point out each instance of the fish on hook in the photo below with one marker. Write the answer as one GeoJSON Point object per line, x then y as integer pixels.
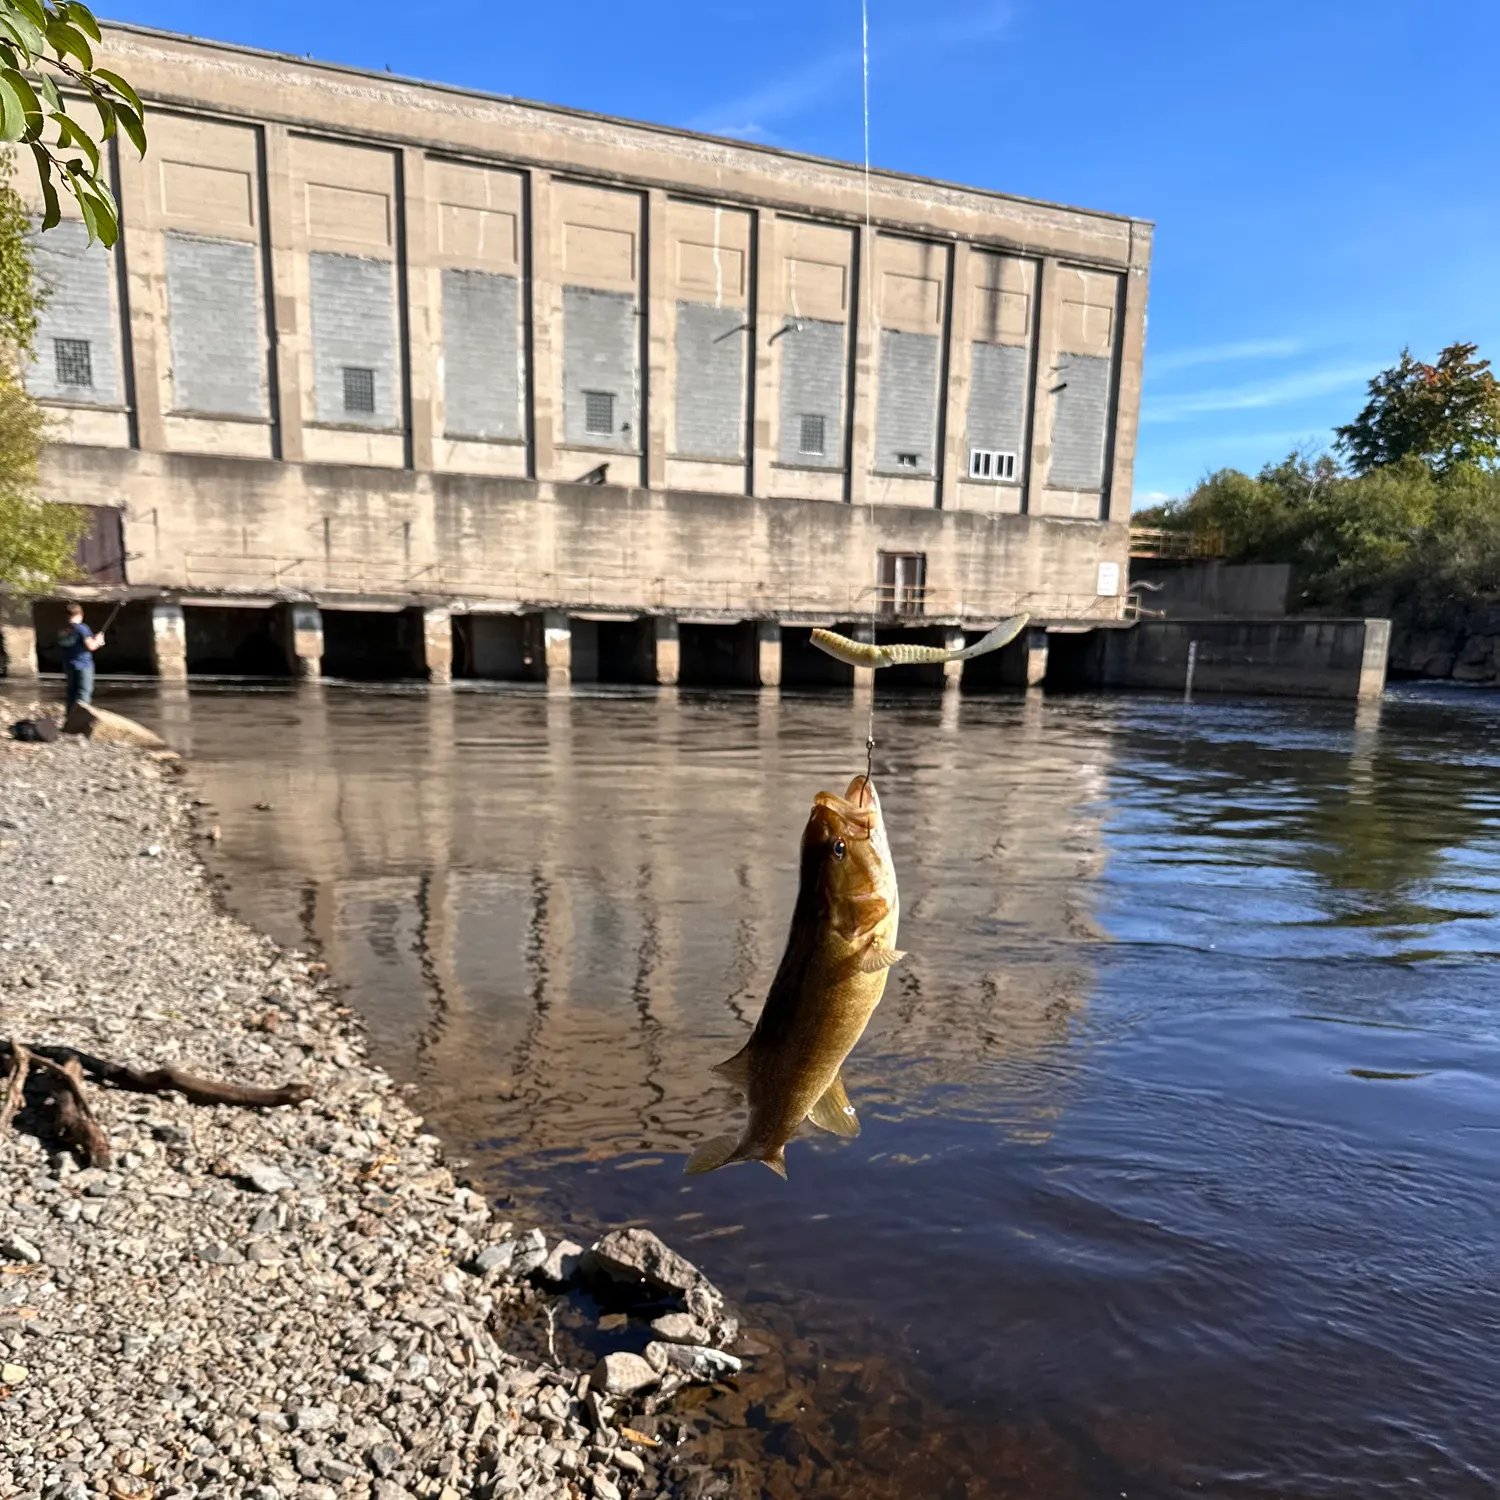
{"type": "Point", "coordinates": [841, 946]}
{"type": "Point", "coordinates": [899, 654]}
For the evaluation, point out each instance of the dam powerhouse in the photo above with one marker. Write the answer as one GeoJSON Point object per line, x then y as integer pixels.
{"type": "Point", "coordinates": [394, 379]}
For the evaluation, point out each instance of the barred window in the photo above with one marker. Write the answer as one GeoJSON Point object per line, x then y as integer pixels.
{"type": "Point", "coordinates": [811, 439]}
{"type": "Point", "coordinates": [599, 412]}
{"type": "Point", "coordinates": [359, 389]}
{"type": "Point", "coordinates": [75, 366]}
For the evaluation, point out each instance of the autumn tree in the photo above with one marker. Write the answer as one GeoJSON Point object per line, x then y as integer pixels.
{"type": "Point", "coordinates": [1446, 414]}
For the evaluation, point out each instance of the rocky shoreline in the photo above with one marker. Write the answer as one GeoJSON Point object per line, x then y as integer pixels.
{"type": "Point", "coordinates": [297, 1301]}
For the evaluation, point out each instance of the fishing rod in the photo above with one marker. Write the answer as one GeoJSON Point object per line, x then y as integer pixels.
{"type": "Point", "coordinates": [119, 605]}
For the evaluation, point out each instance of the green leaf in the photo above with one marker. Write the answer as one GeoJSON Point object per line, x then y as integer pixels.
{"type": "Point", "coordinates": [130, 122]}
{"type": "Point", "coordinates": [12, 113]}
{"type": "Point", "coordinates": [51, 208]}
{"type": "Point", "coordinates": [29, 100]}
{"type": "Point", "coordinates": [49, 91]}
{"type": "Point", "coordinates": [33, 10]}
{"type": "Point", "coordinates": [106, 112]}
{"type": "Point", "coordinates": [122, 88]}
{"type": "Point", "coordinates": [90, 214]}
{"type": "Point", "coordinates": [72, 134]}
{"type": "Point", "coordinates": [68, 41]}
{"type": "Point", "coordinates": [20, 37]}
{"type": "Point", "coordinates": [106, 215]}
{"type": "Point", "coordinates": [80, 16]}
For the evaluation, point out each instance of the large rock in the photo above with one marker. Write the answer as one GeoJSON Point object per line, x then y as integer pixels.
{"type": "Point", "coordinates": [637, 1258]}
{"type": "Point", "coordinates": [112, 728]}
{"type": "Point", "coordinates": [622, 1374]}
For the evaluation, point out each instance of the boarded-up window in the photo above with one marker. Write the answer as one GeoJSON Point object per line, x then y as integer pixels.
{"type": "Point", "coordinates": [101, 549]}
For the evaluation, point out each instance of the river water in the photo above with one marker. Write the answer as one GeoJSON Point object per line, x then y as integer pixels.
{"type": "Point", "coordinates": [1181, 1151]}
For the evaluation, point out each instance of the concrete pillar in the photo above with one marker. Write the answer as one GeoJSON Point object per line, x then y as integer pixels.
{"type": "Point", "coordinates": [17, 639]}
{"type": "Point", "coordinates": [1373, 662]}
{"type": "Point", "coordinates": [1036, 656]}
{"type": "Point", "coordinates": [768, 653]}
{"type": "Point", "coordinates": [169, 642]}
{"type": "Point", "coordinates": [437, 645]}
{"type": "Point", "coordinates": [302, 630]}
{"type": "Point", "coordinates": [953, 671]}
{"type": "Point", "coordinates": [662, 641]}
{"type": "Point", "coordinates": [549, 647]}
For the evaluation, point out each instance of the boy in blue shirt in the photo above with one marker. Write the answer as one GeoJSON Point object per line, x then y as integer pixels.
{"type": "Point", "coordinates": [78, 646]}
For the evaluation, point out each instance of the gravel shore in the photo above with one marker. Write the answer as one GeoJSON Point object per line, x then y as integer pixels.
{"type": "Point", "coordinates": [263, 1302]}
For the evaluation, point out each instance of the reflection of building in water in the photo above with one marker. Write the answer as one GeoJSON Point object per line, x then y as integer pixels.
{"type": "Point", "coordinates": [560, 912]}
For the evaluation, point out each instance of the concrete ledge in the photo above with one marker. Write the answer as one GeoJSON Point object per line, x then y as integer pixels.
{"type": "Point", "coordinates": [1299, 657]}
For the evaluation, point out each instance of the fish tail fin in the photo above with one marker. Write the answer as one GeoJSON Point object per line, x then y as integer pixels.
{"type": "Point", "coordinates": [1002, 635]}
{"type": "Point", "coordinates": [710, 1155]}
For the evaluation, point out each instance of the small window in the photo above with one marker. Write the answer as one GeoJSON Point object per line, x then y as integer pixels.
{"type": "Point", "coordinates": [359, 389]}
{"type": "Point", "coordinates": [810, 439]}
{"type": "Point", "coordinates": [599, 413]}
{"type": "Point", "coordinates": [907, 460]}
{"type": "Point", "coordinates": [903, 582]}
{"type": "Point", "coordinates": [75, 366]}
{"type": "Point", "coordinates": [990, 463]}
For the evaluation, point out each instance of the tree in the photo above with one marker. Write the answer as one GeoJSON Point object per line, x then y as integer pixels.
{"type": "Point", "coordinates": [1445, 414]}
{"type": "Point", "coordinates": [37, 540]}
{"type": "Point", "coordinates": [45, 48]}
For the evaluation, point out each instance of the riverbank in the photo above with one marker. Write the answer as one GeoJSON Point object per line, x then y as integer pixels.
{"type": "Point", "coordinates": [261, 1302]}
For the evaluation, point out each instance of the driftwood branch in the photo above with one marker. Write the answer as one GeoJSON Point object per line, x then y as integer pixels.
{"type": "Point", "coordinates": [76, 1125]}
{"type": "Point", "coordinates": [66, 1069]}
{"type": "Point", "coordinates": [15, 1084]}
{"type": "Point", "coordinates": [168, 1079]}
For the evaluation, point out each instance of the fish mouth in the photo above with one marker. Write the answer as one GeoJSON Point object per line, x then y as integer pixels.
{"type": "Point", "coordinates": [858, 809]}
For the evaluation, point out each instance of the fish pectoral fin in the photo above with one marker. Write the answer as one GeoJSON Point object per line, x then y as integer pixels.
{"type": "Point", "coordinates": [834, 1112]}
{"type": "Point", "coordinates": [712, 1154]}
{"type": "Point", "coordinates": [736, 1070]}
{"type": "Point", "coordinates": [877, 957]}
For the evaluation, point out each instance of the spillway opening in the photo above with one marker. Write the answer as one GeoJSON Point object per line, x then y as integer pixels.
{"type": "Point", "coordinates": [367, 645]}
{"type": "Point", "coordinates": [234, 641]}
{"type": "Point", "coordinates": [127, 648]}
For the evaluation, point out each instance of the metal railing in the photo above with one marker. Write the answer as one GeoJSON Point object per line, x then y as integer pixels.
{"type": "Point", "coordinates": [1147, 541]}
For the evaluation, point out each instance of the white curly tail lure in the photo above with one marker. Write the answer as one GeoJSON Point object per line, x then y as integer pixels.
{"type": "Point", "coordinates": [865, 654]}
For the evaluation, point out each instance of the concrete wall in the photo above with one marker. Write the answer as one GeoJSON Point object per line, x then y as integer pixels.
{"type": "Point", "coordinates": [1203, 589]}
{"type": "Point", "coordinates": [325, 267]}
{"type": "Point", "coordinates": [1300, 657]}
{"type": "Point", "coordinates": [200, 525]}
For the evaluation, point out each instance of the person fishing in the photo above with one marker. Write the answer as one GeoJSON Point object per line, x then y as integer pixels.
{"type": "Point", "coordinates": [78, 645]}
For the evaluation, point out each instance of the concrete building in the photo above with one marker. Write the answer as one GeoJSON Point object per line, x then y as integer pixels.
{"type": "Point", "coordinates": [389, 376]}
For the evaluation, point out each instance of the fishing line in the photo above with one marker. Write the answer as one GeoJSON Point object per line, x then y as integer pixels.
{"type": "Point", "coordinates": [869, 248]}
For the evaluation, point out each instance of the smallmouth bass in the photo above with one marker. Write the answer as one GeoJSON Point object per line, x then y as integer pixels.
{"type": "Point", "coordinates": [841, 945]}
{"type": "Point", "coordinates": [866, 654]}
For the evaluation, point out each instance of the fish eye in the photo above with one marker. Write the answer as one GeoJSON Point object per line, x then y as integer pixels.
{"type": "Point", "coordinates": [838, 849]}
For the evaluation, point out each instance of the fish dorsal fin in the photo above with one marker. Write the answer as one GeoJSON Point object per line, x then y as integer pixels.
{"type": "Point", "coordinates": [877, 957]}
{"type": "Point", "coordinates": [834, 1111]}
{"type": "Point", "coordinates": [736, 1069]}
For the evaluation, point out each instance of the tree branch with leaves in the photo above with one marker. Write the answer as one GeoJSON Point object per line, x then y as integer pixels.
{"type": "Point", "coordinates": [46, 63]}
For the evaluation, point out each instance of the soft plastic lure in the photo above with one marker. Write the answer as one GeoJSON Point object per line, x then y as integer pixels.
{"type": "Point", "coordinates": [865, 654]}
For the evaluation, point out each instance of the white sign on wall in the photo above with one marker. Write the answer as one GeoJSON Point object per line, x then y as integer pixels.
{"type": "Point", "coordinates": [1109, 580]}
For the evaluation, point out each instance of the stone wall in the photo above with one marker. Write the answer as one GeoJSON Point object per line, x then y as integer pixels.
{"type": "Point", "coordinates": [1466, 650]}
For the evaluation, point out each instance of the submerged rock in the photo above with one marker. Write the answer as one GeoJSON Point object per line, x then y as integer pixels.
{"type": "Point", "coordinates": [622, 1374]}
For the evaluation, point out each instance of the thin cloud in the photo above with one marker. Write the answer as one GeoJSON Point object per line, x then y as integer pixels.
{"type": "Point", "coordinates": [1251, 397]}
{"type": "Point", "coordinates": [1220, 354]}
{"type": "Point", "coordinates": [793, 93]}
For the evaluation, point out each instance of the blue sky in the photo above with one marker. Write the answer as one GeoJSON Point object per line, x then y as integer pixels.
{"type": "Point", "coordinates": [1323, 176]}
